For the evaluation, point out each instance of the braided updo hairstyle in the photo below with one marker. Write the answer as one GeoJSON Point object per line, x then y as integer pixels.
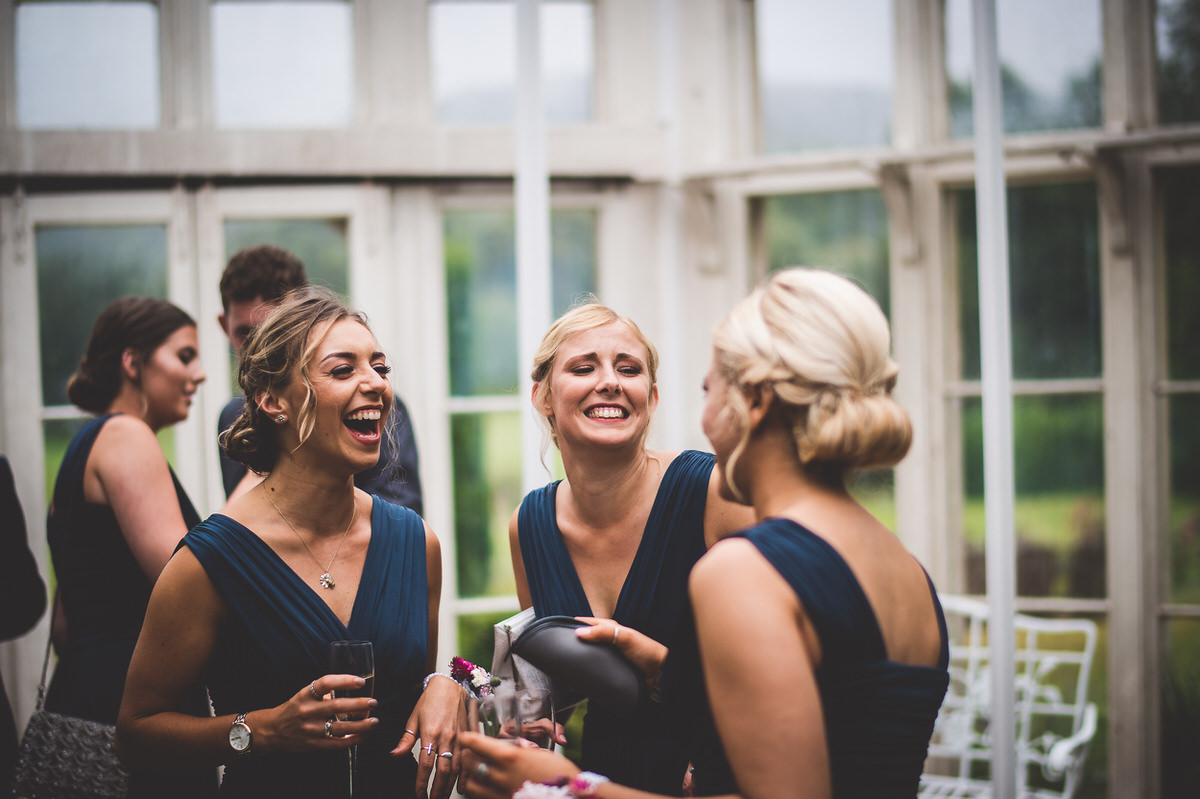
{"type": "Point", "coordinates": [276, 353]}
{"type": "Point", "coordinates": [138, 323]}
{"type": "Point", "coordinates": [822, 345]}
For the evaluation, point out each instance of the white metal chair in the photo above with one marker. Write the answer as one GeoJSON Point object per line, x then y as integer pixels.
{"type": "Point", "coordinates": [1055, 722]}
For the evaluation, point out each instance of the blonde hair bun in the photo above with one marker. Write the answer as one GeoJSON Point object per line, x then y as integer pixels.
{"type": "Point", "coordinates": [822, 344]}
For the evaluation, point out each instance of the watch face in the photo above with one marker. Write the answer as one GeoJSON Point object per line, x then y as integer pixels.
{"type": "Point", "coordinates": [239, 737]}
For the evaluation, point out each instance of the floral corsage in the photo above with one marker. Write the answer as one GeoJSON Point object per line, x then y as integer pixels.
{"type": "Point", "coordinates": [475, 679]}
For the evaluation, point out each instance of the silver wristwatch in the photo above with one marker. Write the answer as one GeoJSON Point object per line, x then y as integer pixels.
{"type": "Point", "coordinates": [240, 736]}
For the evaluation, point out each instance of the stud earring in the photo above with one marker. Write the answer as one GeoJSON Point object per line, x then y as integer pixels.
{"type": "Point", "coordinates": [280, 419]}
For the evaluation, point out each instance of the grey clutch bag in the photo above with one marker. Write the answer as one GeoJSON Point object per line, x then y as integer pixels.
{"type": "Point", "coordinates": [597, 672]}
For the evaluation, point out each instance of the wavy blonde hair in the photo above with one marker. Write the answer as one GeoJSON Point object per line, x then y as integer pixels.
{"type": "Point", "coordinates": [821, 344]}
{"type": "Point", "coordinates": [576, 320]}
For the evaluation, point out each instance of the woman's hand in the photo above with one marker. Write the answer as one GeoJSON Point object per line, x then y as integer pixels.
{"type": "Point", "coordinates": [439, 715]}
{"type": "Point", "coordinates": [308, 720]}
{"type": "Point", "coordinates": [494, 769]}
{"type": "Point", "coordinates": [642, 650]}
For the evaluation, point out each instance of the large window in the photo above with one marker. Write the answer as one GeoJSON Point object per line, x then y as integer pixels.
{"type": "Point", "coordinates": [825, 73]}
{"type": "Point", "coordinates": [486, 409]}
{"type": "Point", "coordinates": [87, 65]}
{"type": "Point", "coordinates": [1050, 65]}
{"type": "Point", "coordinates": [283, 64]}
{"type": "Point", "coordinates": [1058, 413]}
{"type": "Point", "coordinates": [80, 270]}
{"type": "Point", "coordinates": [474, 51]}
{"type": "Point", "coordinates": [1180, 387]}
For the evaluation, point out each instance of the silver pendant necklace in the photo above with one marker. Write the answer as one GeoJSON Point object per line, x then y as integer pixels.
{"type": "Point", "coordinates": [326, 580]}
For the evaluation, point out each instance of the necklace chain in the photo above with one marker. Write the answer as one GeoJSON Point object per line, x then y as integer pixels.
{"type": "Point", "coordinates": [326, 580]}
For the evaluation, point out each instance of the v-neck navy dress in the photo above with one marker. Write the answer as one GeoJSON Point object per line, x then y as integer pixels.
{"type": "Point", "coordinates": [104, 594]}
{"type": "Point", "coordinates": [644, 752]}
{"type": "Point", "coordinates": [878, 713]}
{"type": "Point", "coordinates": [276, 641]}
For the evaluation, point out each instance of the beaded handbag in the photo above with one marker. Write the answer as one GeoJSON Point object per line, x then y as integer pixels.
{"type": "Point", "coordinates": [63, 757]}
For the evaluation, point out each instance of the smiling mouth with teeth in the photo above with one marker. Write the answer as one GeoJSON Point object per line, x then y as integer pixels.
{"type": "Point", "coordinates": [364, 423]}
{"type": "Point", "coordinates": [607, 413]}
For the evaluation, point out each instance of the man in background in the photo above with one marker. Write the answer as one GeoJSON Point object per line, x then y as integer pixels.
{"type": "Point", "coordinates": [254, 281]}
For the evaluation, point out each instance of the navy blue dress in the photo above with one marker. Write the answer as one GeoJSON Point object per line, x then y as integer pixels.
{"type": "Point", "coordinates": [644, 752]}
{"type": "Point", "coordinates": [879, 714]}
{"type": "Point", "coordinates": [104, 594]}
{"type": "Point", "coordinates": [276, 641]}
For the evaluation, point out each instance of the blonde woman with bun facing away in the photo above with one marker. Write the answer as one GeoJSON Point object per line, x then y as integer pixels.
{"type": "Point", "coordinates": [614, 541]}
{"type": "Point", "coordinates": [822, 640]}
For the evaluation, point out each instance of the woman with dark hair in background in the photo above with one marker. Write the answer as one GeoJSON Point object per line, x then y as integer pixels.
{"type": "Point", "coordinates": [118, 511]}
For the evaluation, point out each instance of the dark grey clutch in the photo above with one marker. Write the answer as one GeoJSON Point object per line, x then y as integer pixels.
{"type": "Point", "coordinates": [597, 672]}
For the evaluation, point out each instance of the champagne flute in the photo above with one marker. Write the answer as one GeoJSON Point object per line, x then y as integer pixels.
{"type": "Point", "coordinates": [357, 658]}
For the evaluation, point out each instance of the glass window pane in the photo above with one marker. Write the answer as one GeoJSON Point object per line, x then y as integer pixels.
{"type": "Point", "coordinates": [1181, 208]}
{"type": "Point", "coordinates": [487, 488]}
{"type": "Point", "coordinates": [476, 636]}
{"type": "Point", "coordinates": [1183, 548]}
{"type": "Point", "coordinates": [321, 244]}
{"type": "Point", "coordinates": [481, 294]}
{"type": "Point", "coordinates": [1178, 35]}
{"type": "Point", "coordinates": [1180, 731]}
{"type": "Point", "coordinates": [1054, 281]}
{"type": "Point", "coordinates": [573, 252]}
{"type": "Point", "coordinates": [825, 73]}
{"type": "Point", "coordinates": [846, 231]}
{"type": "Point", "coordinates": [80, 270]}
{"type": "Point", "coordinates": [473, 49]}
{"type": "Point", "coordinates": [87, 65]}
{"type": "Point", "coordinates": [1058, 450]}
{"type": "Point", "coordinates": [283, 64]}
{"type": "Point", "coordinates": [1050, 65]}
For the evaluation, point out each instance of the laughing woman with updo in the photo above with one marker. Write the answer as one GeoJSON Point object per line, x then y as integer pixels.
{"type": "Point", "coordinates": [257, 593]}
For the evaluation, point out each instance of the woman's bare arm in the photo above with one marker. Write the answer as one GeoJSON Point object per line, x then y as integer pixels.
{"type": "Point", "coordinates": [758, 669]}
{"type": "Point", "coordinates": [518, 562]}
{"type": "Point", "coordinates": [128, 471]}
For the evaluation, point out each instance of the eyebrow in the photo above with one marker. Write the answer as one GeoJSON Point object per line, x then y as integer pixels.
{"type": "Point", "coordinates": [350, 356]}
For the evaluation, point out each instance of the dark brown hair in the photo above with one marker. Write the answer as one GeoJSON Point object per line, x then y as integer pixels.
{"type": "Point", "coordinates": [262, 271]}
{"type": "Point", "coordinates": [138, 323]}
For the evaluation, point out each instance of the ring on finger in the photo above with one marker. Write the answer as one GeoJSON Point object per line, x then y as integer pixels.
{"type": "Point", "coordinates": [312, 689]}
{"type": "Point", "coordinates": [428, 749]}
{"type": "Point", "coordinates": [616, 634]}
{"type": "Point", "coordinates": [481, 772]}
{"type": "Point", "coordinates": [329, 729]}
{"type": "Point", "coordinates": [446, 754]}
